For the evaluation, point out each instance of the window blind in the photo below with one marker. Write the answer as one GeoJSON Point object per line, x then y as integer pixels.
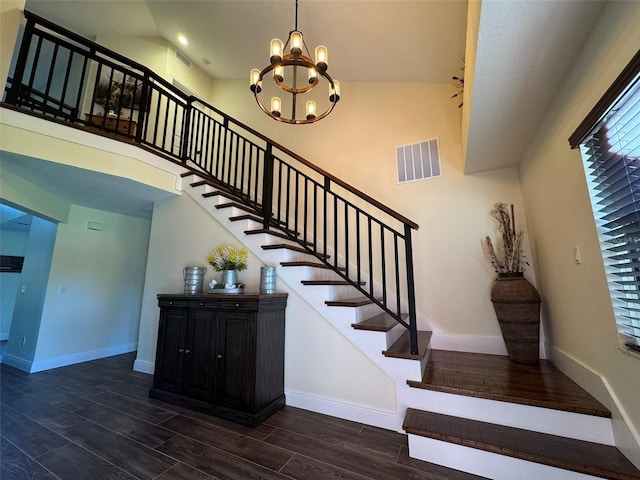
{"type": "Point", "coordinates": [611, 154]}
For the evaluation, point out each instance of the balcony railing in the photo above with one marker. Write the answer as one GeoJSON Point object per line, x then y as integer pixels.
{"type": "Point", "coordinates": [66, 77]}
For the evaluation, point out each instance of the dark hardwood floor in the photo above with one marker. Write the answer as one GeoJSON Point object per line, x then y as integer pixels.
{"type": "Point", "coordinates": [95, 421]}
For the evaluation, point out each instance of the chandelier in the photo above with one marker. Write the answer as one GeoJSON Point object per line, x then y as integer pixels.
{"type": "Point", "coordinates": [296, 74]}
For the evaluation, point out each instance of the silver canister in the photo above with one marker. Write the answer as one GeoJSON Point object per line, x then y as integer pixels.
{"type": "Point", "coordinates": [193, 279]}
{"type": "Point", "coordinates": [267, 280]}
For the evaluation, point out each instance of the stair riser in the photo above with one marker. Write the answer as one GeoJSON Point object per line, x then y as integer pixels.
{"type": "Point", "coordinates": [544, 420]}
{"type": "Point", "coordinates": [487, 464]}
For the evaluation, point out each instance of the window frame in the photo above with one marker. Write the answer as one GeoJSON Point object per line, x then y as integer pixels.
{"type": "Point", "coordinates": [584, 137]}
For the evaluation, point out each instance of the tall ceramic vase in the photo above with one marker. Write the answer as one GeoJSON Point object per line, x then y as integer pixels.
{"type": "Point", "coordinates": [517, 306]}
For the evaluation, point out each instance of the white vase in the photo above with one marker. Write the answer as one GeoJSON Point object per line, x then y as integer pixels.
{"type": "Point", "coordinates": [229, 277]}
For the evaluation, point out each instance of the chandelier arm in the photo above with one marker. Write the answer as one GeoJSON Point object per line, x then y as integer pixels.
{"type": "Point", "coordinates": [294, 121]}
{"type": "Point", "coordinates": [295, 62]}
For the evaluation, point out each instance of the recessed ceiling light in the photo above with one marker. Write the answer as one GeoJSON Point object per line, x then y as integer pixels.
{"type": "Point", "coordinates": [183, 40]}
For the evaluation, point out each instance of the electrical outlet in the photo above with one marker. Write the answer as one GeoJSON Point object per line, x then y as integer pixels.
{"type": "Point", "coordinates": [23, 289]}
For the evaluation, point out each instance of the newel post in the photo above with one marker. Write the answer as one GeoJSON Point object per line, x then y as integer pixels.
{"type": "Point", "coordinates": [411, 292]}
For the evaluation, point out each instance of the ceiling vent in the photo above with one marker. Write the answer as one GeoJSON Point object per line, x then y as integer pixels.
{"type": "Point", "coordinates": [418, 161]}
{"type": "Point", "coordinates": [183, 59]}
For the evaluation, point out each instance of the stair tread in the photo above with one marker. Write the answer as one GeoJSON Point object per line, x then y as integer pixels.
{"type": "Point", "coordinates": [247, 216]}
{"type": "Point", "coordinates": [288, 246]}
{"type": "Point", "coordinates": [255, 218]}
{"type": "Point", "coordinates": [349, 302]}
{"type": "Point", "coordinates": [495, 377]}
{"type": "Point", "coordinates": [380, 323]}
{"type": "Point", "coordinates": [276, 233]}
{"type": "Point", "coordinates": [307, 263]}
{"type": "Point", "coordinates": [220, 193]}
{"type": "Point", "coordinates": [239, 205]}
{"type": "Point", "coordinates": [328, 282]}
{"type": "Point", "coordinates": [401, 347]}
{"type": "Point", "coordinates": [566, 453]}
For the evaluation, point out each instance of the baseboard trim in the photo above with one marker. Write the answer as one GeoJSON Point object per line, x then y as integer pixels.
{"type": "Point", "coordinates": [65, 360]}
{"type": "Point", "coordinates": [348, 411]}
{"type": "Point", "coordinates": [474, 344]}
{"type": "Point", "coordinates": [627, 439]}
{"type": "Point", "coordinates": [17, 362]}
{"type": "Point", "coordinates": [144, 366]}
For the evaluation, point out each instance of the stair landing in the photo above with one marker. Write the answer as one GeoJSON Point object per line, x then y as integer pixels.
{"type": "Point", "coordinates": [495, 377]}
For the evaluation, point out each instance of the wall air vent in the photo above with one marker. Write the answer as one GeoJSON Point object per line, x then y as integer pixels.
{"type": "Point", "coordinates": [183, 59]}
{"type": "Point", "coordinates": [418, 161]}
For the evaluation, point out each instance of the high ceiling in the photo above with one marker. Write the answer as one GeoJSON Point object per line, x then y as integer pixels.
{"type": "Point", "coordinates": [525, 48]}
{"type": "Point", "coordinates": [413, 41]}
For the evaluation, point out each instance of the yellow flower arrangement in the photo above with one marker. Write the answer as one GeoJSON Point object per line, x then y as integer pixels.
{"type": "Point", "coordinates": [228, 258]}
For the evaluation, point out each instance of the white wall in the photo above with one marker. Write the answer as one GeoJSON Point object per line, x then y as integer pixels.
{"type": "Point", "coordinates": [576, 297]}
{"type": "Point", "coordinates": [11, 243]}
{"type": "Point", "coordinates": [357, 144]}
{"type": "Point", "coordinates": [94, 294]}
{"type": "Point", "coordinates": [319, 361]}
{"type": "Point", "coordinates": [28, 307]}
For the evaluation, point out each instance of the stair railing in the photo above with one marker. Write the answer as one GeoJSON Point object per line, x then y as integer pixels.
{"type": "Point", "coordinates": [60, 74]}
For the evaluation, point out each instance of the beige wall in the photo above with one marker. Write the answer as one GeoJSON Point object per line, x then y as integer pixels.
{"type": "Point", "coordinates": [319, 361]}
{"type": "Point", "coordinates": [576, 297]}
{"type": "Point", "coordinates": [10, 20]}
{"type": "Point", "coordinates": [357, 144]}
{"type": "Point", "coordinates": [94, 292]}
{"type": "Point", "coordinates": [160, 56]}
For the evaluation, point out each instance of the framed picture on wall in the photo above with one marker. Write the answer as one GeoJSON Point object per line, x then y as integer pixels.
{"type": "Point", "coordinates": [115, 87]}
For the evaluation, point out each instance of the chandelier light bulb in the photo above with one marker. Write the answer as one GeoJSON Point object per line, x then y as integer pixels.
{"type": "Point", "coordinates": [276, 106]}
{"type": "Point", "coordinates": [275, 50]}
{"type": "Point", "coordinates": [334, 91]}
{"type": "Point", "coordinates": [322, 58]}
{"type": "Point", "coordinates": [296, 43]}
{"type": "Point", "coordinates": [278, 73]}
{"type": "Point", "coordinates": [313, 75]}
{"type": "Point", "coordinates": [311, 109]}
{"type": "Point", "coordinates": [254, 82]}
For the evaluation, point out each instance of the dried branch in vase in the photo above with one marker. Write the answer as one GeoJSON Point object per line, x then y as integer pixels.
{"type": "Point", "coordinates": [506, 256]}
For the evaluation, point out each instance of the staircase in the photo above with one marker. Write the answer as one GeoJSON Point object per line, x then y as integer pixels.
{"type": "Point", "coordinates": [349, 257]}
{"type": "Point", "coordinates": [543, 426]}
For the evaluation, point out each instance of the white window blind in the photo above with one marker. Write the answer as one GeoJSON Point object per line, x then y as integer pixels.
{"type": "Point", "coordinates": [611, 154]}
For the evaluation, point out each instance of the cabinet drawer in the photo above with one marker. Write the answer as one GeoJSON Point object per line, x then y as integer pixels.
{"type": "Point", "coordinates": [244, 305]}
{"type": "Point", "coordinates": [172, 302]}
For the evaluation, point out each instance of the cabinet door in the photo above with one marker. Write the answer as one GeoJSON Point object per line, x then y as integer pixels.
{"type": "Point", "coordinates": [200, 354]}
{"type": "Point", "coordinates": [236, 360]}
{"type": "Point", "coordinates": [169, 356]}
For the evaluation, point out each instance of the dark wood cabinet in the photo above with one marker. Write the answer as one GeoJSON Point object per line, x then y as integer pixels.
{"type": "Point", "coordinates": [222, 354]}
